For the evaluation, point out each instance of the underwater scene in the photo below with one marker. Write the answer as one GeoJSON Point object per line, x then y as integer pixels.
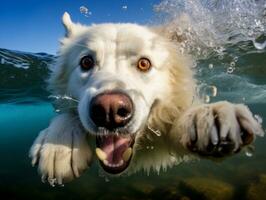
{"type": "Point", "coordinates": [227, 41]}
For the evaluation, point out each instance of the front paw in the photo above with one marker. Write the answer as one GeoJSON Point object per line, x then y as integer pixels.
{"type": "Point", "coordinates": [218, 129]}
{"type": "Point", "coordinates": [61, 151]}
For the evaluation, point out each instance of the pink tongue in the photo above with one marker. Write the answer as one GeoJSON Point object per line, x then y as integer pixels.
{"type": "Point", "coordinates": [114, 146]}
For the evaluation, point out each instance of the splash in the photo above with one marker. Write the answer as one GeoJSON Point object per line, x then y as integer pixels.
{"type": "Point", "coordinates": [218, 34]}
{"type": "Point", "coordinates": [214, 24]}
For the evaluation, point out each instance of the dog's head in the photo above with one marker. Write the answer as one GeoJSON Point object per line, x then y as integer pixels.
{"type": "Point", "coordinates": [117, 72]}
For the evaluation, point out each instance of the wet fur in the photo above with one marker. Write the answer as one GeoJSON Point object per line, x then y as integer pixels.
{"type": "Point", "coordinates": [63, 153]}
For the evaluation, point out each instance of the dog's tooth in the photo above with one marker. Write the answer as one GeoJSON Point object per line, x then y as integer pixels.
{"type": "Point", "coordinates": [105, 162]}
{"type": "Point", "coordinates": [101, 154]}
{"type": "Point", "coordinates": [121, 162]}
{"type": "Point", "coordinates": [127, 154]}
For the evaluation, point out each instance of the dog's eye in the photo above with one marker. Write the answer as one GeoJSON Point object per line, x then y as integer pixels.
{"type": "Point", "coordinates": [144, 64]}
{"type": "Point", "coordinates": [86, 63]}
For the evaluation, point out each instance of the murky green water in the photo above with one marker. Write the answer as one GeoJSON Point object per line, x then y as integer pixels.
{"type": "Point", "coordinates": [21, 123]}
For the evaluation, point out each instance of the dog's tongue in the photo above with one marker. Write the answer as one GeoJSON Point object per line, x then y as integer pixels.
{"type": "Point", "coordinates": [114, 147]}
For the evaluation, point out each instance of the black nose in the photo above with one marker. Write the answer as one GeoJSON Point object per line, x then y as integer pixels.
{"type": "Point", "coordinates": [111, 110]}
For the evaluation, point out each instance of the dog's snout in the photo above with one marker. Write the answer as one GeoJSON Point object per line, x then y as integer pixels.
{"type": "Point", "coordinates": [111, 110]}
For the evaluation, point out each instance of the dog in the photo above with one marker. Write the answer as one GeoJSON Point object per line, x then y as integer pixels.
{"type": "Point", "coordinates": [134, 106]}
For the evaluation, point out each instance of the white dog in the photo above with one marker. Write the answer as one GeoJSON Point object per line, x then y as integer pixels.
{"type": "Point", "coordinates": [135, 106]}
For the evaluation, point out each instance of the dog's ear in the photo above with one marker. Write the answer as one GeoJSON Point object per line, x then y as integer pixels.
{"type": "Point", "coordinates": [68, 24]}
{"type": "Point", "coordinates": [72, 28]}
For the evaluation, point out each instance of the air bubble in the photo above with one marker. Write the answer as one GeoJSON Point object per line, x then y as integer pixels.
{"type": "Point", "coordinates": [232, 64]}
{"type": "Point", "coordinates": [249, 151]}
{"type": "Point", "coordinates": [194, 65]}
{"type": "Point", "coordinates": [179, 31]}
{"type": "Point", "coordinates": [124, 7]}
{"type": "Point", "coordinates": [211, 66]}
{"type": "Point", "coordinates": [211, 90]}
{"type": "Point", "coordinates": [52, 181]}
{"type": "Point", "coordinates": [206, 92]}
{"type": "Point", "coordinates": [85, 11]}
{"type": "Point", "coordinates": [204, 54]}
{"type": "Point", "coordinates": [249, 154]}
{"type": "Point", "coordinates": [198, 50]}
{"type": "Point", "coordinates": [214, 91]}
{"type": "Point", "coordinates": [250, 33]}
{"type": "Point", "coordinates": [235, 59]}
{"type": "Point", "coordinates": [210, 44]}
{"type": "Point", "coordinates": [207, 99]}
{"type": "Point", "coordinates": [230, 70]}
{"type": "Point", "coordinates": [259, 46]}
{"type": "Point", "coordinates": [106, 179]}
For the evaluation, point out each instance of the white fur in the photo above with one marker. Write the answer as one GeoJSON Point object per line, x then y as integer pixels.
{"type": "Point", "coordinates": [61, 151]}
{"type": "Point", "coordinates": [166, 118]}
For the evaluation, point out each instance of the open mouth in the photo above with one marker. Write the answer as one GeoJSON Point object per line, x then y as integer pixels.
{"type": "Point", "coordinates": [114, 152]}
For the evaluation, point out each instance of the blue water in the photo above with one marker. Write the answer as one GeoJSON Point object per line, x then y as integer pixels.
{"type": "Point", "coordinates": [25, 110]}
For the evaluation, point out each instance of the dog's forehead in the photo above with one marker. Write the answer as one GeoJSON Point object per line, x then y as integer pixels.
{"type": "Point", "coordinates": [119, 31]}
{"type": "Point", "coordinates": [130, 37]}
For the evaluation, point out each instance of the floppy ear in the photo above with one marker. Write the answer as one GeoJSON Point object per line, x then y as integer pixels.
{"type": "Point", "coordinates": [68, 24]}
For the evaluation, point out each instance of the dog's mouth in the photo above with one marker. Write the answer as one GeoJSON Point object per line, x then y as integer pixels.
{"type": "Point", "coordinates": [114, 152]}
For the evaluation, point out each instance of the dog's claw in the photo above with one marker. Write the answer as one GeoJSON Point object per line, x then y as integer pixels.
{"type": "Point", "coordinates": [220, 129]}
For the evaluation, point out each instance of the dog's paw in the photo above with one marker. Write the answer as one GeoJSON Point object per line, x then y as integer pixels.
{"type": "Point", "coordinates": [61, 151]}
{"type": "Point", "coordinates": [218, 129]}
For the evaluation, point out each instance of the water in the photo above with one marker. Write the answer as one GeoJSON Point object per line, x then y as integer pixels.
{"type": "Point", "coordinates": [227, 40]}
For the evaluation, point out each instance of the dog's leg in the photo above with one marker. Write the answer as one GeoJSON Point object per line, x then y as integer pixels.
{"type": "Point", "coordinates": [217, 129]}
{"type": "Point", "coordinates": [61, 151]}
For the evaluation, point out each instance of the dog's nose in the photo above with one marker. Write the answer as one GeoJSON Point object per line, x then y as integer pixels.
{"type": "Point", "coordinates": [111, 110]}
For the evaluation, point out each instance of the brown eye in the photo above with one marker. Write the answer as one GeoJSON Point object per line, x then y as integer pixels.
{"type": "Point", "coordinates": [144, 64]}
{"type": "Point", "coordinates": [86, 63]}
